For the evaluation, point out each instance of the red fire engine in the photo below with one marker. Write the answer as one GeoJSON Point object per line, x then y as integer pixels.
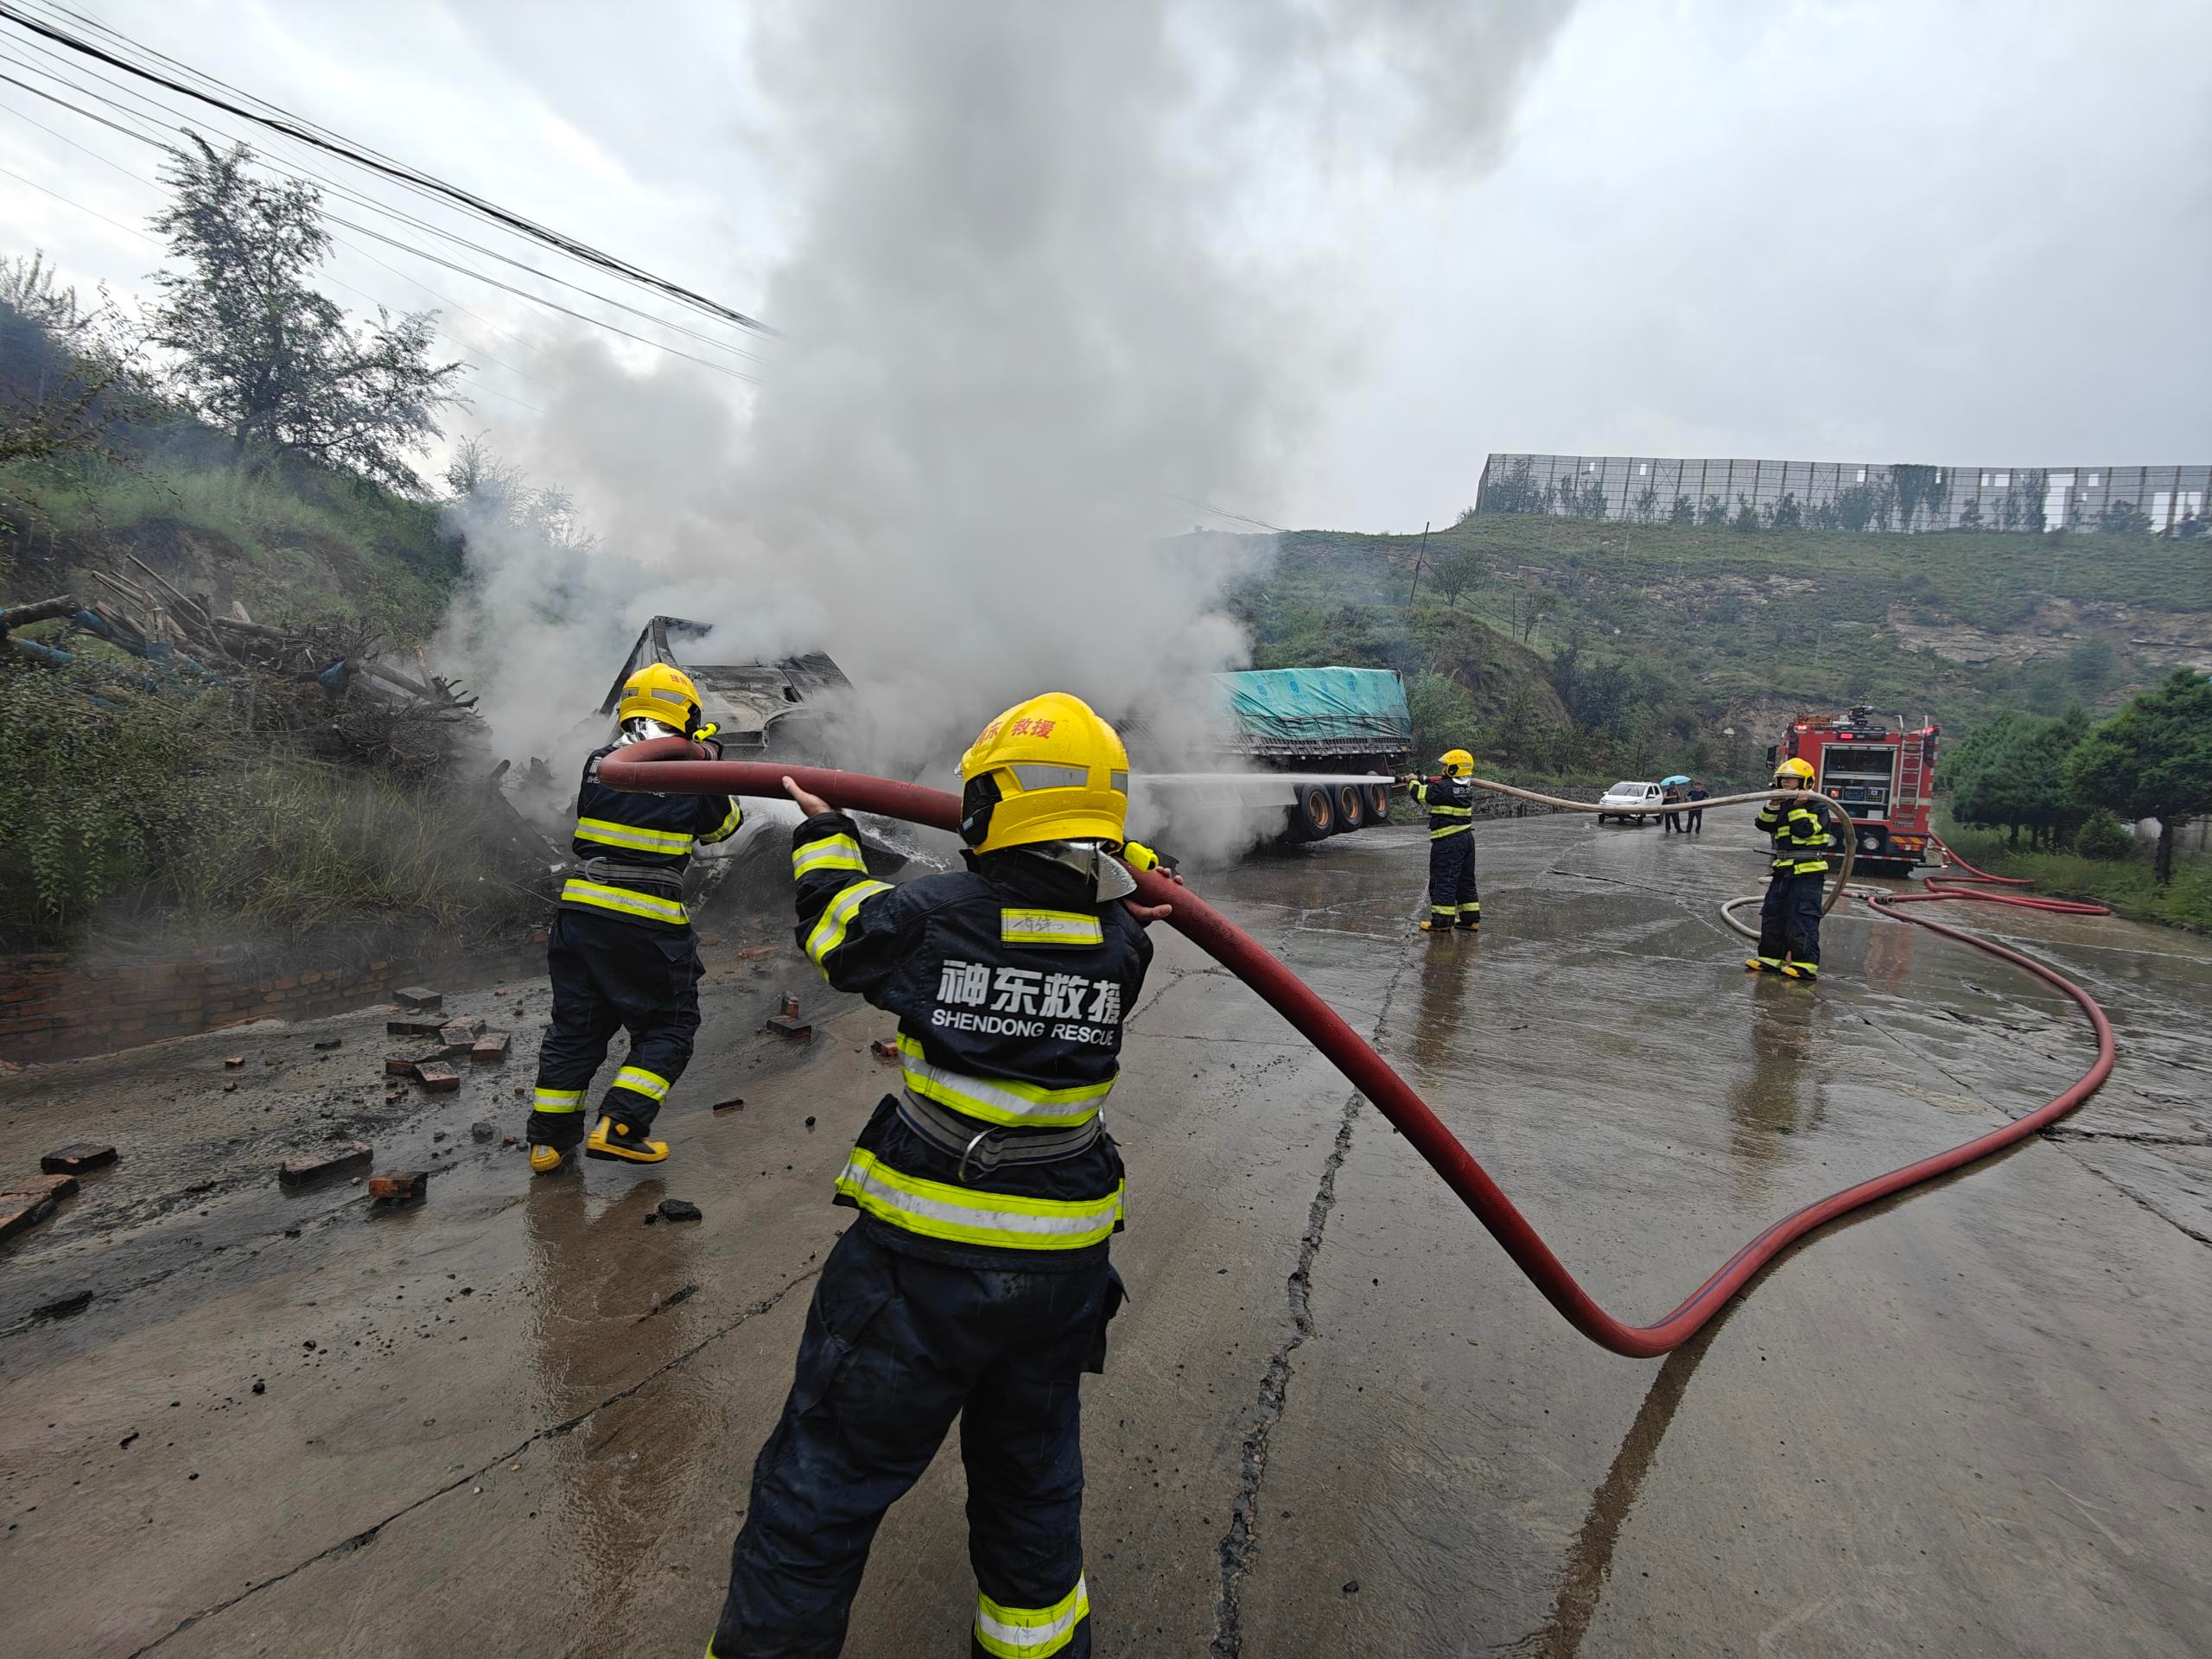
{"type": "Point", "coordinates": [1881, 772]}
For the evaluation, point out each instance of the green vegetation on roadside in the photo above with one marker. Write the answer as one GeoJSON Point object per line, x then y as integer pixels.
{"type": "Point", "coordinates": [2128, 884]}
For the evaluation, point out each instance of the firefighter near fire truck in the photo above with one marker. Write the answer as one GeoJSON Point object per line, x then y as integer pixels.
{"type": "Point", "coordinates": [976, 1282]}
{"type": "Point", "coordinates": [1453, 898]}
{"type": "Point", "coordinates": [620, 952]}
{"type": "Point", "coordinates": [1789, 918]}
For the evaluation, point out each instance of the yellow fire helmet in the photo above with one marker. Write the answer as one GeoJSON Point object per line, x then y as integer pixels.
{"type": "Point", "coordinates": [1794, 773]}
{"type": "Point", "coordinates": [1048, 769]}
{"type": "Point", "coordinates": [664, 692]}
{"type": "Point", "coordinates": [1457, 763]}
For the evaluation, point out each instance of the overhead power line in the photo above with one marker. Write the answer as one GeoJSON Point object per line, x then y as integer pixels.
{"type": "Point", "coordinates": [406, 247]}
{"type": "Point", "coordinates": [307, 132]}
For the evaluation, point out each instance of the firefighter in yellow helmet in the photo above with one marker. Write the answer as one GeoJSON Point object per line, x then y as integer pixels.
{"type": "Point", "coordinates": [620, 953]}
{"type": "Point", "coordinates": [975, 1283]}
{"type": "Point", "coordinates": [1453, 898]}
{"type": "Point", "coordinates": [1789, 919]}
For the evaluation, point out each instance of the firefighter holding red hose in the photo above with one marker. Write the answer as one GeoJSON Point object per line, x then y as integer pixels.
{"type": "Point", "coordinates": [1453, 898]}
{"type": "Point", "coordinates": [975, 1283]}
{"type": "Point", "coordinates": [1789, 919]}
{"type": "Point", "coordinates": [621, 955]}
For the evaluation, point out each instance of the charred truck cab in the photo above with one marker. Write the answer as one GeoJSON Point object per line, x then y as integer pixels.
{"type": "Point", "coordinates": [763, 711]}
{"type": "Point", "coordinates": [1880, 772]}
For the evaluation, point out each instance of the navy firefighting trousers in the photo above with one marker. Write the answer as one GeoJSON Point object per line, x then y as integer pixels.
{"type": "Point", "coordinates": [1789, 918]}
{"type": "Point", "coordinates": [610, 975]}
{"type": "Point", "coordinates": [896, 1347]}
{"type": "Point", "coordinates": [1452, 893]}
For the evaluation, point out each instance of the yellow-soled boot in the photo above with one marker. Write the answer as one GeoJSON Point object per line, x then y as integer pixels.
{"type": "Point", "coordinates": [615, 1139]}
{"type": "Point", "coordinates": [551, 1161]}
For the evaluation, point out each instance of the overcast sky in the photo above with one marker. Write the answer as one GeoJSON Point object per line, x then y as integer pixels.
{"type": "Point", "coordinates": [1955, 233]}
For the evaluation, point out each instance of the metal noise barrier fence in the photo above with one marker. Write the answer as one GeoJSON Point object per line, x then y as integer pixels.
{"type": "Point", "coordinates": [1853, 495]}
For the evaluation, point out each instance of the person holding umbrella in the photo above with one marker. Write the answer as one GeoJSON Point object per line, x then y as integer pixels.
{"type": "Point", "coordinates": [1672, 798]}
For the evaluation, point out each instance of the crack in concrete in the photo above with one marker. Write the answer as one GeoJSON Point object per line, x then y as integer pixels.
{"type": "Point", "coordinates": [1239, 1544]}
{"type": "Point", "coordinates": [362, 1540]}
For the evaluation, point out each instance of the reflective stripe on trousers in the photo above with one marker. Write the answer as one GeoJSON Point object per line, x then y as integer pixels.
{"type": "Point", "coordinates": [1030, 1632]}
{"type": "Point", "coordinates": [967, 1215]}
{"type": "Point", "coordinates": [997, 1100]}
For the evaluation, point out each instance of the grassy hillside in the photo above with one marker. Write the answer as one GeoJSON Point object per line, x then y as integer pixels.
{"type": "Point", "coordinates": [295, 545]}
{"type": "Point", "coordinates": [1652, 639]}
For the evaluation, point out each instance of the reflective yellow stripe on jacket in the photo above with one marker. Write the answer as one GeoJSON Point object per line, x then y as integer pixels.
{"type": "Point", "coordinates": [608, 833]}
{"type": "Point", "coordinates": [1049, 927]}
{"type": "Point", "coordinates": [727, 828]}
{"type": "Point", "coordinates": [998, 1100]}
{"type": "Point", "coordinates": [968, 1214]}
{"type": "Point", "coordinates": [623, 902]}
{"type": "Point", "coordinates": [830, 853]}
{"type": "Point", "coordinates": [1030, 1632]}
{"type": "Point", "coordinates": [829, 932]}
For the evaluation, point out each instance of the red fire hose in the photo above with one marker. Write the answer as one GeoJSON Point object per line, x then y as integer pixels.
{"type": "Point", "coordinates": [669, 766]}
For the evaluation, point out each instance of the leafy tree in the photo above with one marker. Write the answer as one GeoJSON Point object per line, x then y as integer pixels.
{"type": "Point", "coordinates": [1747, 516]}
{"type": "Point", "coordinates": [1855, 506]}
{"type": "Point", "coordinates": [1713, 514]}
{"type": "Point", "coordinates": [2035, 491]}
{"type": "Point", "coordinates": [1530, 605]}
{"type": "Point", "coordinates": [1458, 571]}
{"type": "Point", "coordinates": [1684, 511]}
{"type": "Point", "coordinates": [263, 355]}
{"type": "Point", "coordinates": [65, 373]}
{"type": "Point", "coordinates": [1444, 713]}
{"type": "Point", "coordinates": [1970, 516]}
{"type": "Point", "coordinates": [2093, 665]}
{"type": "Point", "coordinates": [2152, 760]}
{"type": "Point", "coordinates": [1786, 514]}
{"type": "Point", "coordinates": [1646, 504]}
{"type": "Point", "coordinates": [2189, 527]}
{"type": "Point", "coordinates": [2010, 774]}
{"type": "Point", "coordinates": [2102, 835]}
{"type": "Point", "coordinates": [1520, 731]}
{"type": "Point", "coordinates": [1516, 491]}
{"type": "Point", "coordinates": [2124, 518]}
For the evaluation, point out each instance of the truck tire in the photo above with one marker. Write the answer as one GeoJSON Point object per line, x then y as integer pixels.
{"type": "Point", "coordinates": [1352, 808]}
{"type": "Point", "coordinates": [1378, 803]}
{"type": "Point", "coordinates": [1314, 815]}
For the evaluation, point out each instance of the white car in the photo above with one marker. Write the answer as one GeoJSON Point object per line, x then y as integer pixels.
{"type": "Point", "coordinates": [1626, 795]}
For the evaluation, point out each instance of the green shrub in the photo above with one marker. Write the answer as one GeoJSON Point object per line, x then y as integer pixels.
{"type": "Point", "coordinates": [2102, 835]}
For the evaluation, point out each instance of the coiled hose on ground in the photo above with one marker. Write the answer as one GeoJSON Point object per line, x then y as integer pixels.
{"type": "Point", "coordinates": [671, 765]}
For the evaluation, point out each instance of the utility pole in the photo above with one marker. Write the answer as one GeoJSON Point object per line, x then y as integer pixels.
{"type": "Point", "coordinates": [1418, 557]}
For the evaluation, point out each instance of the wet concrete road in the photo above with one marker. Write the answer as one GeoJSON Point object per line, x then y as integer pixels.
{"type": "Point", "coordinates": [517, 1419]}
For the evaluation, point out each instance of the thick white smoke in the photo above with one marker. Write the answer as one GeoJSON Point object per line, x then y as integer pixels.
{"type": "Point", "coordinates": [1044, 278]}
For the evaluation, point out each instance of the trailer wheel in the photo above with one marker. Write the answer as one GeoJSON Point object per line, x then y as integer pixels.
{"type": "Point", "coordinates": [1314, 816]}
{"type": "Point", "coordinates": [1352, 808]}
{"type": "Point", "coordinates": [1378, 803]}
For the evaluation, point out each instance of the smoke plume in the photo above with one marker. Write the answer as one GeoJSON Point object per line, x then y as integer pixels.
{"type": "Point", "coordinates": [1050, 270]}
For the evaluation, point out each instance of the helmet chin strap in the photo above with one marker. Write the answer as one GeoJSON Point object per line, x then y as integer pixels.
{"type": "Point", "coordinates": [1092, 861]}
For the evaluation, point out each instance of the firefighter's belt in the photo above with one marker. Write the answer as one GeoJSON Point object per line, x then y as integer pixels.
{"type": "Point", "coordinates": [982, 1152]}
{"type": "Point", "coordinates": [614, 873]}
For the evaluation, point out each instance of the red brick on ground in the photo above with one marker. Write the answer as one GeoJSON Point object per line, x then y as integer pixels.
{"type": "Point", "coordinates": [437, 1077]}
{"type": "Point", "coordinates": [412, 1028]}
{"type": "Point", "coordinates": [312, 1166]}
{"type": "Point", "coordinates": [18, 1215]}
{"type": "Point", "coordinates": [75, 1160]}
{"type": "Point", "coordinates": [42, 1186]}
{"type": "Point", "coordinates": [491, 1048]}
{"type": "Point", "coordinates": [418, 999]}
{"type": "Point", "coordinates": [400, 1187]}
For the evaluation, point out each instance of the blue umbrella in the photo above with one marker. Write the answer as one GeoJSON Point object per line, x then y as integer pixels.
{"type": "Point", "coordinates": [1679, 778]}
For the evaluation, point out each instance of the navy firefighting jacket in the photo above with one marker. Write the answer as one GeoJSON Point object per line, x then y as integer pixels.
{"type": "Point", "coordinates": [1802, 837]}
{"type": "Point", "coordinates": [1450, 804]}
{"type": "Point", "coordinates": [616, 827]}
{"type": "Point", "coordinates": [1010, 982]}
